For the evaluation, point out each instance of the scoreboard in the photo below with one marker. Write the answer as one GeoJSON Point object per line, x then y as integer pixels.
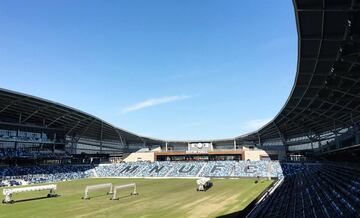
{"type": "Point", "coordinates": [199, 147]}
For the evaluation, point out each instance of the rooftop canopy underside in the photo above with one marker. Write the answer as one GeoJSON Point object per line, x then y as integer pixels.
{"type": "Point", "coordinates": [18, 109]}
{"type": "Point", "coordinates": [326, 93]}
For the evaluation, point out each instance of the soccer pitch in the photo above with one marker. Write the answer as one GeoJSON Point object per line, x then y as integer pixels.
{"type": "Point", "coordinates": [157, 198]}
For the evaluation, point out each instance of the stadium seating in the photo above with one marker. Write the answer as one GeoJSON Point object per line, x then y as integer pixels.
{"type": "Point", "coordinates": [258, 168]}
{"type": "Point", "coordinates": [186, 169]}
{"type": "Point", "coordinates": [192, 169]}
{"type": "Point", "coordinates": [218, 169]}
{"type": "Point", "coordinates": [314, 190]}
{"type": "Point", "coordinates": [54, 173]}
{"type": "Point", "coordinates": [24, 153]}
{"type": "Point", "coordinates": [39, 174]}
{"type": "Point", "coordinates": [156, 169]}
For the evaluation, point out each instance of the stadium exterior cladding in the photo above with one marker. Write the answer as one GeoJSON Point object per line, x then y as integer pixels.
{"type": "Point", "coordinates": [324, 102]}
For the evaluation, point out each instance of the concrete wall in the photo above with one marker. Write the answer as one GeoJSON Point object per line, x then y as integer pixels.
{"type": "Point", "coordinates": [140, 156]}
{"type": "Point", "coordinates": [255, 154]}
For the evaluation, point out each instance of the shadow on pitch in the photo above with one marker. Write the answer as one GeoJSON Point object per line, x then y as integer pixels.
{"type": "Point", "coordinates": [123, 197]}
{"type": "Point", "coordinates": [249, 207]}
{"type": "Point", "coordinates": [32, 199]}
{"type": "Point", "coordinates": [109, 196]}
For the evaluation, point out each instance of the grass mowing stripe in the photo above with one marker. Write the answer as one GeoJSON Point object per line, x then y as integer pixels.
{"type": "Point", "coordinates": [158, 198]}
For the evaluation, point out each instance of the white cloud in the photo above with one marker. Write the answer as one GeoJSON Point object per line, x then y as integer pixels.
{"type": "Point", "coordinates": [154, 101]}
{"type": "Point", "coordinates": [255, 124]}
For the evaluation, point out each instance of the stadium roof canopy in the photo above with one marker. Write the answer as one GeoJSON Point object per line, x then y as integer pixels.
{"type": "Point", "coordinates": [326, 92]}
{"type": "Point", "coordinates": [17, 109]}
{"type": "Point", "coordinates": [325, 95]}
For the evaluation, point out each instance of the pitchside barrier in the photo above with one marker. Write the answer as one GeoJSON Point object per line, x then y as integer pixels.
{"type": "Point", "coordinates": [94, 187]}
{"type": "Point", "coordinates": [131, 185]}
{"type": "Point", "coordinates": [9, 192]}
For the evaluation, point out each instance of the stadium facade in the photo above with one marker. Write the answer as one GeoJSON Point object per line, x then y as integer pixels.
{"type": "Point", "coordinates": [320, 118]}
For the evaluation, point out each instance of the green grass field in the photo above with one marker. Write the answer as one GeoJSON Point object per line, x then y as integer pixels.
{"type": "Point", "coordinates": [157, 198]}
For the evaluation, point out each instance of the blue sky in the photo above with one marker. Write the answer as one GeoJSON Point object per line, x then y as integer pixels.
{"type": "Point", "coordinates": [171, 69]}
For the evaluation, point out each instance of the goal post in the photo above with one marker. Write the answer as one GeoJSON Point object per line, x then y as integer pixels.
{"type": "Point", "coordinates": [98, 186]}
{"type": "Point", "coordinates": [8, 193]}
{"type": "Point", "coordinates": [131, 185]}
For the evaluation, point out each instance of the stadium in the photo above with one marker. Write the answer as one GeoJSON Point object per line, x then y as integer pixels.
{"type": "Point", "coordinates": [59, 161]}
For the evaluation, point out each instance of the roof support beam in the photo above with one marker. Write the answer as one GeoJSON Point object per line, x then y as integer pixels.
{"type": "Point", "coordinates": [345, 107]}
{"type": "Point", "coordinates": [69, 131]}
{"type": "Point", "coordinates": [11, 104]}
{"type": "Point", "coordinates": [58, 118]}
{"type": "Point", "coordinates": [281, 135]}
{"type": "Point", "coordinates": [331, 118]}
{"type": "Point", "coordinates": [345, 92]}
{"type": "Point", "coordinates": [327, 10]}
{"type": "Point", "coordinates": [120, 137]}
{"type": "Point", "coordinates": [259, 138]}
{"type": "Point", "coordinates": [302, 128]}
{"type": "Point", "coordinates": [86, 129]}
{"type": "Point", "coordinates": [330, 74]}
{"type": "Point", "coordinates": [35, 112]}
